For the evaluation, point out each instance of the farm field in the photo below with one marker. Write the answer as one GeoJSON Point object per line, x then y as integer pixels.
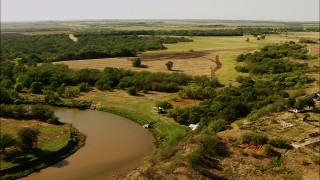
{"type": "Point", "coordinates": [235, 43]}
{"type": "Point", "coordinates": [188, 65]}
{"type": "Point", "coordinates": [192, 58]}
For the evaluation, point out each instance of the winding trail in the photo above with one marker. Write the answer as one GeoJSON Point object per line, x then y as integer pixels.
{"type": "Point", "coordinates": [215, 68]}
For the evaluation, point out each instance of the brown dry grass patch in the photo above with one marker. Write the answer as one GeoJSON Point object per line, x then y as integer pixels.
{"type": "Point", "coordinates": [315, 50]}
{"type": "Point", "coordinates": [190, 63]}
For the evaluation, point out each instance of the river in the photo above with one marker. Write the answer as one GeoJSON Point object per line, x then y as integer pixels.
{"type": "Point", "coordinates": [114, 144]}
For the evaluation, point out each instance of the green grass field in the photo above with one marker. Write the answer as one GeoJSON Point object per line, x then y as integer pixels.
{"type": "Point", "coordinates": [222, 43]}
{"type": "Point", "coordinates": [227, 73]}
{"type": "Point", "coordinates": [141, 105]}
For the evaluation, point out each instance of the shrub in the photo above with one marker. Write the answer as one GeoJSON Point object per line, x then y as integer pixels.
{"type": "Point", "coordinates": [267, 150]}
{"type": "Point", "coordinates": [211, 144]}
{"type": "Point", "coordinates": [253, 138]}
{"type": "Point", "coordinates": [165, 105]}
{"type": "Point", "coordinates": [136, 62]}
{"type": "Point", "coordinates": [277, 162]}
{"type": "Point", "coordinates": [169, 65]}
{"type": "Point", "coordinates": [218, 125]}
{"type": "Point", "coordinates": [195, 157]}
{"type": "Point", "coordinates": [71, 92]}
{"type": "Point", "coordinates": [36, 87]}
{"type": "Point", "coordinates": [18, 87]}
{"type": "Point", "coordinates": [242, 69]}
{"type": "Point", "coordinates": [122, 85]}
{"type": "Point", "coordinates": [6, 83]}
{"type": "Point", "coordinates": [102, 85]}
{"type": "Point", "coordinates": [132, 91]}
{"type": "Point", "coordinates": [279, 143]}
{"type": "Point", "coordinates": [83, 87]}
{"type": "Point", "coordinates": [28, 138]}
{"type": "Point", "coordinates": [6, 140]}
{"type": "Point", "coordinates": [145, 90]}
{"type": "Point", "coordinates": [41, 112]}
{"type": "Point", "coordinates": [106, 86]}
{"type": "Point", "coordinates": [303, 40]}
{"type": "Point", "coordinates": [52, 98]}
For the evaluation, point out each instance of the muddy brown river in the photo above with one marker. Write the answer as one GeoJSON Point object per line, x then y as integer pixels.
{"type": "Point", "coordinates": [114, 144]}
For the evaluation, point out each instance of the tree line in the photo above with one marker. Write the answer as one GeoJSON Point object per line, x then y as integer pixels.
{"type": "Point", "coordinates": [58, 47]}
{"type": "Point", "coordinates": [58, 81]}
{"type": "Point", "coordinates": [24, 112]}
{"type": "Point", "coordinates": [240, 31]}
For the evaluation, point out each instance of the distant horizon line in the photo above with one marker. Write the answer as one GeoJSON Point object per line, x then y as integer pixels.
{"type": "Point", "coordinates": [196, 19]}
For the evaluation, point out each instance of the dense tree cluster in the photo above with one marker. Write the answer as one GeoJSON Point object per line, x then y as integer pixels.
{"type": "Point", "coordinates": [231, 103]}
{"type": "Point", "coordinates": [213, 32]}
{"type": "Point", "coordinates": [270, 61]}
{"type": "Point", "coordinates": [203, 88]}
{"type": "Point", "coordinates": [155, 81]}
{"type": "Point", "coordinates": [28, 112]}
{"type": "Point", "coordinates": [307, 41]}
{"type": "Point", "coordinates": [26, 140]}
{"type": "Point", "coordinates": [58, 47]}
{"type": "Point", "coordinates": [313, 29]}
{"type": "Point", "coordinates": [275, 52]}
{"type": "Point", "coordinates": [55, 81]}
{"type": "Point", "coordinates": [253, 98]}
{"type": "Point", "coordinates": [240, 31]}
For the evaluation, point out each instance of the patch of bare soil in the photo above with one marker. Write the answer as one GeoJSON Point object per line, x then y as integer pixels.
{"type": "Point", "coordinates": [315, 50]}
{"type": "Point", "coordinates": [178, 101]}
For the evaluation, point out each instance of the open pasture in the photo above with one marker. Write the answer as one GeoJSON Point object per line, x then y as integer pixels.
{"type": "Point", "coordinates": [219, 43]}
{"type": "Point", "coordinates": [191, 65]}
{"type": "Point", "coordinates": [192, 58]}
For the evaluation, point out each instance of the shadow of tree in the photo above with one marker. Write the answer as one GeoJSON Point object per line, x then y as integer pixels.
{"type": "Point", "coordinates": [61, 164]}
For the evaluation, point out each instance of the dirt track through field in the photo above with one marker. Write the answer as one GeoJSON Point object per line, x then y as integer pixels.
{"type": "Point", "coordinates": [191, 63]}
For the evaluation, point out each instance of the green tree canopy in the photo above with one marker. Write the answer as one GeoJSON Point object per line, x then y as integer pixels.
{"type": "Point", "coordinates": [28, 138]}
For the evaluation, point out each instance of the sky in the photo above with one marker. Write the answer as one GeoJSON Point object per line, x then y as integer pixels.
{"type": "Point", "coordinates": [274, 10]}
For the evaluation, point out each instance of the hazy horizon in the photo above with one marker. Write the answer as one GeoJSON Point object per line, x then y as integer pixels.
{"type": "Point", "coordinates": [245, 10]}
{"type": "Point", "coordinates": [191, 20]}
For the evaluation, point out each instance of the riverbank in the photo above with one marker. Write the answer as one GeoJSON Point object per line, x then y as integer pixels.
{"type": "Point", "coordinates": [114, 144]}
{"type": "Point", "coordinates": [75, 142]}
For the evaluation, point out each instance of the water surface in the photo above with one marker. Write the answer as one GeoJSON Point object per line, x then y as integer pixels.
{"type": "Point", "coordinates": [114, 144]}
